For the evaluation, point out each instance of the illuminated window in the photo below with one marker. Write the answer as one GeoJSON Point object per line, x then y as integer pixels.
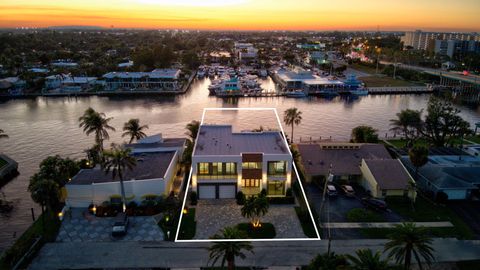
{"type": "Point", "coordinates": [251, 182]}
{"type": "Point", "coordinates": [230, 168]}
{"type": "Point", "coordinates": [276, 187]}
{"type": "Point", "coordinates": [251, 165]}
{"type": "Point", "coordinates": [203, 168]}
{"type": "Point", "coordinates": [277, 167]}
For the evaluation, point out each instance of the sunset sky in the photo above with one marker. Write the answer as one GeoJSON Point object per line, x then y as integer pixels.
{"type": "Point", "coordinates": [436, 15]}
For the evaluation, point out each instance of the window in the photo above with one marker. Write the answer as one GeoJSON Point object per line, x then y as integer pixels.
{"type": "Point", "coordinates": [252, 165]}
{"type": "Point", "coordinates": [230, 168]}
{"type": "Point", "coordinates": [276, 187]}
{"type": "Point", "coordinates": [203, 168]}
{"type": "Point", "coordinates": [216, 168]}
{"type": "Point", "coordinates": [277, 167]}
{"type": "Point", "coordinates": [251, 182]}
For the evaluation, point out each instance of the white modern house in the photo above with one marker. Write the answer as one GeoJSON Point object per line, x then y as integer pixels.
{"type": "Point", "coordinates": [226, 162]}
{"type": "Point", "coordinates": [158, 79]}
{"type": "Point", "coordinates": [154, 174]}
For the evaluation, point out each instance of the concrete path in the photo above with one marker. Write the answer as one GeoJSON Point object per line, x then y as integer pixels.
{"type": "Point", "coordinates": [187, 255]}
{"type": "Point", "coordinates": [352, 225]}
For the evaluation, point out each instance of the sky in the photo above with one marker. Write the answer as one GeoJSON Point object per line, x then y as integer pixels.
{"type": "Point", "coordinates": [386, 15]}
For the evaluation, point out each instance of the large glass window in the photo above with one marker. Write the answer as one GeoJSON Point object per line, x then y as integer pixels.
{"type": "Point", "coordinates": [203, 168]}
{"type": "Point", "coordinates": [251, 182]}
{"type": "Point", "coordinates": [230, 168]}
{"type": "Point", "coordinates": [216, 170]}
{"type": "Point", "coordinates": [252, 165]}
{"type": "Point", "coordinates": [276, 187]}
{"type": "Point", "coordinates": [277, 167]}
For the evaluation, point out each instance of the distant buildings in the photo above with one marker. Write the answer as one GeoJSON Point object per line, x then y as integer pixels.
{"type": "Point", "coordinates": [158, 79]}
{"type": "Point", "coordinates": [126, 64]}
{"type": "Point", "coordinates": [311, 46]}
{"type": "Point", "coordinates": [68, 83]}
{"type": "Point", "coordinates": [420, 40]}
{"type": "Point", "coordinates": [453, 47]}
{"type": "Point", "coordinates": [64, 63]}
{"type": "Point", "coordinates": [226, 162]}
{"type": "Point", "coordinates": [245, 52]}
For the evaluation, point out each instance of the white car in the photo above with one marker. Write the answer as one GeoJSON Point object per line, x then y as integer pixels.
{"type": "Point", "coordinates": [348, 190]}
{"type": "Point", "coordinates": [331, 191]}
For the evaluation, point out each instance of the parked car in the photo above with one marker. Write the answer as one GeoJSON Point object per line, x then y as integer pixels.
{"type": "Point", "coordinates": [120, 225]}
{"type": "Point", "coordinates": [348, 190]}
{"type": "Point", "coordinates": [331, 191]}
{"type": "Point", "coordinates": [375, 204]}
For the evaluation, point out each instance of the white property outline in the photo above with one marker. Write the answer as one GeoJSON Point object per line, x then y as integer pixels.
{"type": "Point", "coordinates": [247, 240]}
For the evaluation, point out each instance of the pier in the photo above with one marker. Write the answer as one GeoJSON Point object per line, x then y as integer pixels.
{"type": "Point", "coordinates": [400, 90]}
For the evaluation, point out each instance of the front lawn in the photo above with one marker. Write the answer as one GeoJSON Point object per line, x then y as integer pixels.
{"type": "Point", "coordinates": [189, 225]}
{"type": "Point", "coordinates": [426, 211]}
{"type": "Point", "coordinates": [363, 215]}
{"type": "Point", "coordinates": [382, 81]}
{"type": "Point", "coordinates": [306, 222]}
{"type": "Point", "coordinates": [267, 230]}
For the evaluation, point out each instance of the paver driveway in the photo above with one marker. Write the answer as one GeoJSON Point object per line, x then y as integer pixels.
{"type": "Point", "coordinates": [94, 229]}
{"type": "Point", "coordinates": [214, 215]}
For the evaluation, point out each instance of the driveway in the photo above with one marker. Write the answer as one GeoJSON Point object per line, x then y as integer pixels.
{"type": "Point", "coordinates": [214, 215]}
{"type": "Point", "coordinates": [80, 228]}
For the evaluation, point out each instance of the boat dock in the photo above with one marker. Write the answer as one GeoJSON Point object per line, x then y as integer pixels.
{"type": "Point", "coordinates": [400, 90]}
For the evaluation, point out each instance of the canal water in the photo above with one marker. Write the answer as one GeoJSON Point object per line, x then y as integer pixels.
{"type": "Point", "coordinates": [41, 127]}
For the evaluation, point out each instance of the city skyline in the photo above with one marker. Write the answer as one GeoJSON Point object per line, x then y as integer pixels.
{"type": "Point", "coordinates": [246, 14]}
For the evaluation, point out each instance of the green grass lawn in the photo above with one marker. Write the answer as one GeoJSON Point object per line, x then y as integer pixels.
{"type": "Point", "coordinates": [425, 211]}
{"type": "Point", "coordinates": [3, 162]}
{"type": "Point", "coordinates": [363, 215]}
{"type": "Point", "coordinates": [380, 81]}
{"type": "Point", "coordinates": [366, 69]}
{"type": "Point", "coordinates": [189, 225]}
{"type": "Point", "coordinates": [267, 230]}
{"type": "Point", "coordinates": [306, 222]}
{"type": "Point", "coordinates": [12, 255]}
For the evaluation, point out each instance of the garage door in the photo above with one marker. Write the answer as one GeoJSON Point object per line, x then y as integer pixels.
{"type": "Point", "coordinates": [226, 191]}
{"type": "Point", "coordinates": [456, 194]}
{"type": "Point", "coordinates": [206, 192]}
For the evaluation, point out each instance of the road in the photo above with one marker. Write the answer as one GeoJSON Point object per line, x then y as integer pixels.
{"type": "Point", "coordinates": [188, 255]}
{"type": "Point", "coordinates": [474, 79]}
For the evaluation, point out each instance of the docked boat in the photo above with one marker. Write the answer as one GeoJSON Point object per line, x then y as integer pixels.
{"type": "Point", "coordinates": [230, 87]}
{"type": "Point", "coordinates": [299, 93]}
{"type": "Point", "coordinates": [354, 86]}
{"type": "Point", "coordinates": [201, 73]}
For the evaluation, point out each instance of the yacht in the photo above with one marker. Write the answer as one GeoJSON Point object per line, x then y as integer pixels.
{"type": "Point", "coordinates": [299, 93]}
{"type": "Point", "coordinates": [354, 86]}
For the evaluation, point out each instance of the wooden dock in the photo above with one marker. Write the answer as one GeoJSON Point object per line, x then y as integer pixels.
{"type": "Point", "coordinates": [400, 90]}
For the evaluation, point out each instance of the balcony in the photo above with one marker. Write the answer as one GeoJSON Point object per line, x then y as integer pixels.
{"type": "Point", "coordinates": [217, 177]}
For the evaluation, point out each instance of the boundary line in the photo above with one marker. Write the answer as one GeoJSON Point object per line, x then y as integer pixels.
{"type": "Point", "coordinates": [293, 166]}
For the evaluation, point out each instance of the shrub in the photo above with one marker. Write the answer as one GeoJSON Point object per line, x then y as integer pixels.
{"type": "Point", "coordinates": [281, 200]}
{"type": "Point", "coordinates": [240, 197]}
{"type": "Point", "coordinates": [193, 198]}
{"type": "Point", "coordinates": [263, 193]}
{"type": "Point", "coordinates": [289, 192]}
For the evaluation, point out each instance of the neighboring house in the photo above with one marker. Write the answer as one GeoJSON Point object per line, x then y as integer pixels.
{"type": "Point", "coordinates": [344, 158]}
{"type": "Point", "coordinates": [154, 174]}
{"type": "Point", "coordinates": [225, 162]}
{"type": "Point", "coordinates": [68, 83]}
{"type": "Point", "coordinates": [456, 176]}
{"type": "Point", "coordinates": [386, 177]}
{"type": "Point", "coordinates": [64, 63]}
{"type": "Point", "coordinates": [158, 79]}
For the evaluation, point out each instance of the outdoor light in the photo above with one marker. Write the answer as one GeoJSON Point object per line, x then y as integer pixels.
{"type": "Point", "coordinates": [88, 163]}
{"type": "Point", "coordinates": [94, 209]}
{"type": "Point", "coordinates": [167, 218]}
{"type": "Point", "coordinates": [185, 211]}
{"type": "Point", "coordinates": [60, 216]}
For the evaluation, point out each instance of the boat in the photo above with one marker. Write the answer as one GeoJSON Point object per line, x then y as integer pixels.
{"type": "Point", "coordinates": [299, 93]}
{"type": "Point", "coordinates": [230, 87]}
{"type": "Point", "coordinates": [201, 73]}
{"type": "Point", "coordinates": [263, 73]}
{"type": "Point", "coordinates": [354, 86]}
{"type": "Point", "coordinates": [215, 86]}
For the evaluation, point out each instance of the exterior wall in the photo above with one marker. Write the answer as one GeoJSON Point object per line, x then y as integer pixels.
{"type": "Point", "coordinates": [368, 181]}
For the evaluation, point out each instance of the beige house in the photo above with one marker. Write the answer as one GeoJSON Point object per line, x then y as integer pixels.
{"type": "Point", "coordinates": [386, 177]}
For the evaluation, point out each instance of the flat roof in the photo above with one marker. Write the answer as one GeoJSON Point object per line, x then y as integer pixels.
{"type": "Point", "coordinates": [345, 161]}
{"type": "Point", "coordinates": [149, 166]}
{"type": "Point", "coordinates": [161, 143]}
{"type": "Point", "coordinates": [388, 173]}
{"type": "Point", "coordinates": [156, 74]}
{"type": "Point", "coordinates": [216, 140]}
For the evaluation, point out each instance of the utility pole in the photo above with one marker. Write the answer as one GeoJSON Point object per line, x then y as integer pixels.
{"type": "Point", "coordinates": [327, 180]}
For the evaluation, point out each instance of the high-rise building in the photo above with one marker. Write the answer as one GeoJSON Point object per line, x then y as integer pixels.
{"type": "Point", "coordinates": [420, 40]}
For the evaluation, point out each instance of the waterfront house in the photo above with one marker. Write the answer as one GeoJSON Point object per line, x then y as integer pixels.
{"type": "Point", "coordinates": [69, 84]}
{"type": "Point", "coordinates": [156, 80]}
{"type": "Point", "coordinates": [154, 174]}
{"type": "Point", "coordinates": [456, 176]}
{"type": "Point", "coordinates": [307, 81]}
{"type": "Point", "coordinates": [225, 162]}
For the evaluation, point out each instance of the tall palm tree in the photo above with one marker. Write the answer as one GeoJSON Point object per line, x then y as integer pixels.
{"type": "Point", "coordinates": [117, 161]}
{"type": "Point", "coordinates": [45, 192]}
{"type": "Point", "coordinates": [192, 130]}
{"type": "Point", "coordinates": [292, 117]}
{"type": "Point", "coordinates": [409, 123]}
{"type": "Point", "coordinates": [254, 208]}
{"type": "Point", "coordinates": [133, 129]}
{"type": "Point", "coordinates": [365, 259]}
{"type": "Point", "coordinates": [418, 157]}
{"type": "Point", "coordinates": [98, 123]}
{"type": "Point", "coordinates": [3, 134]}
{"type": "Point", "coordinates": [408, 240]}
{"type": "Point", "coordinates": [227, 251]}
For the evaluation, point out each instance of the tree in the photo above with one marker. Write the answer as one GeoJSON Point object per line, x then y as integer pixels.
{"type": "Point", "coordinates": [45, 192]}
{"type": "Point", "coordinates": [327, 261]}
{"type": "Point", "coordinates": [254, 208]}
{"type": "Point", "coordinates": [192, 132]}
{"type": "Point", "coordinates": [95, 122]}
{"type": "Point", "coordinates": [408, 240]}
{"type": "Point", "coordinates": [292, 117]}
{"type": "Point", "coordinates": [58, 169]}
{"type": "Point", "coordinates": [364, 134]}
{"type": "Point", "coordinates": [117, 161]}
{"type": "Point", "coordinates": [418, 157]}
{"type": "Point", "coordinates": [3, 135]}
{"type": "Point", "coordinates": [365, 259]}
{"type": "Point", "coordinates": [134, 130]}
{"type": "Point", "coordinates": [228, 251]}
{"type": "Point", "coordinates": [409, 123]}
{"type": "Point", "coordinates": [443, 124]}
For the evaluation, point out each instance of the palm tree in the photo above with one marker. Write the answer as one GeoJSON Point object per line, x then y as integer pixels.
{"type": "Point", "coordinates": [227, 251]}
{"type": "Point", "coordinates": [408, 240]}
{"type": "Point", "coordinates": [254, 208]}
{"type": "Point", "coordinates": [292, 117]}
{"type": "Point", "coordinates": [192, 130]}
{"type": "Point", "coordinates": [3, 135]}
{"type": "Point", "coordinates": [409, 123]}
{"type": "Point", "coordinates": [45, 192]}
{"type": "Point", "coordinates": [117, 160]}
{"type": "Point", "coordinates": [327, 261]}
{"type": "Point", "coordinates": [133, 129]}
{"type": "Point", "coordinates": [365, 259]}
{"type": "Point", "coordinates": [95, 122]}
{"type": "Point", "coordinates": [418, 156]}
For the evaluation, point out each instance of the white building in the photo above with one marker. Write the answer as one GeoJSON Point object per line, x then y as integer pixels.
{"type": "Point", "coordinates": [226, 162]}
{"type": "Point", "coordinates": [154, 174]}
{"type": "Point", "coordinates": [420, 40]}
{"type": "Point", "coordinates": [307, 81]}
{"type": "Point", "coordinates": [68, 83]}
{"type": "Point", "coordinates": [158, 79]}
